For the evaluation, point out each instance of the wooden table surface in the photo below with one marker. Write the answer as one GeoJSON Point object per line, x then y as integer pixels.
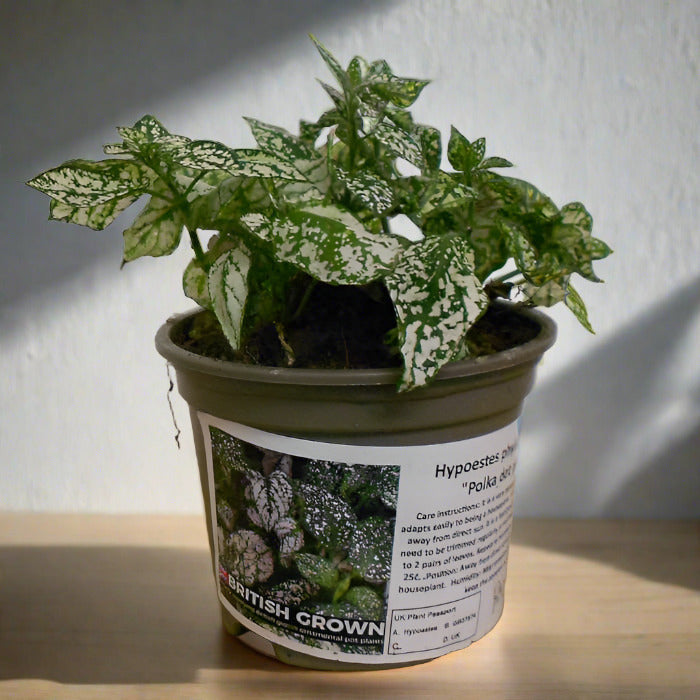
{"type": "Point", "coordinates": [125, 607]}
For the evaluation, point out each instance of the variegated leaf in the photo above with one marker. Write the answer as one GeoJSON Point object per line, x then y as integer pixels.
{"type": "Point", "coordinates": [495, 162]}
{"type": "Point", "coordinates": [358, 68]}
{"type": "Point", "coordinates": [325, 516]}
{"type": "Point", "coordinates": [523, 252]}
{"type": "Point", "coordinates": [85, 183]}
{"type": "Point", "coordinates": [328, 243]}
{"type": "Point", "coordinates": [431, 146]}
{"type": "Point", "coordinates": [317, 570]}
{"type": "Point", "coordinates": [437, 297]}
{"type": "Point", "coordinates": [462, 154]}
{"type": "Point", "coordinates": [293, 591]}
{"type": "Point", "coordinates": [248, 557]}
{"type": "Point", "coordinates": [575, 214]}
{"type": "Point", "coordinates": [575, 303]}
{"type": "Point", "coordinates": [241, 162]}
{"type": "Point", "coordinates": [156, 230]}
{"type": "Point", "coordinates": [116, 149]}
{"type": "Point", "coordinates": [337, 97]}
{"type": "Point", "coordinates": [97, 217]}
{"type": "Point", "coordinates": [399, 142]}
{"type": "Point", "coordinates": [228, 290]}
{"type": "Point", "coordinates": [402, 92]}
{"type": "Point", "coordinates": [280, 142]}
{"type": "Point", "coordinates": [370, 548]}
{"type": "Point", "coordinates": [269, 499]}
{"type": "Point", "coordinates": [547, 294]}
{"type": "Point", "coordinates": [367, 601]}
{"type": "Point", "coordinates": [526, 197]}
{"type": "Point", "coordinates": [308, 165]}
{"type": "Point", "coordinates": [598, 249]}
{"type": "Point", "coordinates": [194, 284]}
{"type": "Point", "coordinates": [338, 73]}
{"type": "Point", "coordinates": [233, 197]}
{"type": "Point", "coordinates": [148, 130]}
{"type": "Point", "coordinates": [439, 194]}
{"type": "Point", "coordinates": [369, 189]}
{"type": "Point", "coordinates": [291, 538]}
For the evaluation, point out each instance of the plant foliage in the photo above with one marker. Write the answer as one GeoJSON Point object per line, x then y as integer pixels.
{"type": "Point", "coordinates": [308, 533]}
{"type": "Point", "coordinates": [318, 206]}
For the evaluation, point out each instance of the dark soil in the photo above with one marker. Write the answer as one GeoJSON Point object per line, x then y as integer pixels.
{"type": "Point", "coordinates": [343, 328]}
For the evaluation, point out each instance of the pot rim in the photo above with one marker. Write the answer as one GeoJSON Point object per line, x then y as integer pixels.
{"type": "Point", "coordinates": [187, 360]}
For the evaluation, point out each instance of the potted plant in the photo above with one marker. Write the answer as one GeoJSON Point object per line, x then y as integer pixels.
{"type": "Point", "coordinates": [354, 392]}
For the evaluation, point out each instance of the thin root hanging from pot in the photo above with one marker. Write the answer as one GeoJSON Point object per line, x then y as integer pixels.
{"type": "Point", "coordinates": [171, 386]}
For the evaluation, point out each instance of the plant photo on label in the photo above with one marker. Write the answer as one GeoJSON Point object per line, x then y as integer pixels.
{"type": "Point", "coordinates": [296, 256]}
{"type": "Point", "coordinates": [313, 536]}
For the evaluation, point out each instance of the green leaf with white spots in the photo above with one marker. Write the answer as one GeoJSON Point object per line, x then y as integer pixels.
{"type": "Point", "coordinates": [338, 73]}
{"type": "Point", "coordinates": [85, 183]}
{"type": "Point", "coordinates": [148, 130]}
{"type": "Point", "coordinates": [437, 297]}
{"type": "Point", "coordinates": [495, 162]}
{"type": "Point", "coordinates": [242, 162]}
{"type": "Point", "coordinates": [547, 294]}
{"type": "Point", "coordinates": [371, 485]}
{"type": "Point", "coordinates": [337, 97]}
{"type": "Point", "coordinates": [320, 204]}
{"type": "Point", "coordinates": [525, 198]}
{"type": "Point", "coordinates": [97, 217]}
{"type": "Point", "coordinates": [325, 516]}
{"type": "Point", "coordinates": [368, 189]}
{"type": "Point", "coordinates": [380, 80]}
{"type": "Point", "coordinates": [328, 243]}
{"type": "Point", "coordinates": [402, 92]}
{"type": "Point", "coordinates": [293, 591]}
{"type": "Point", "coordinates": [195, 280]}
{"type": "Point", "coordinates": [116, 149]}
{"type": "Point", "coordinates": [156, 231]}
{"type": "Point", "coordinates": [574, 302]}
{"type": "Point", "coordinates": [401, 143]}
{"type": "Point", "coordinates": [280, 142]}
{"type": "Point", "coordinates": [228, 290]}
{"type": "Point", "coordinates": [370, 549]}
{"type": "Point", "coordinates": [357, 70]}
{"type": "Point", "coordinates": [431, 146]}
{"type": "Point", "coordinates": [304, 163]}
{"type": "Point", "coordinates": [367, 601]}
{"type": "Point", "coordinates": [317, 570]}
{"type": "Point", "coordinates": [461, 153]}
{"type": "Point", "coordinates": [425, 197]}
{"type": "Point", "coordinates": [194, 284]}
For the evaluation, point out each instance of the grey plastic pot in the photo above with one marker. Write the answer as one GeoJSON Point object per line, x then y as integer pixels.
{"type": "Point", "coordinates": [353, 407]}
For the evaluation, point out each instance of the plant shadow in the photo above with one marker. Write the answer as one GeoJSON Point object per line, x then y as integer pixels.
{"type": "Point", "coordinates": [113, 61]}
{"type": "Point", "coordinates": [592, 409]}
{"type": "Point", "coordinates": [587, 416]}
{"type": "Point", "coordinates": [112, 615]}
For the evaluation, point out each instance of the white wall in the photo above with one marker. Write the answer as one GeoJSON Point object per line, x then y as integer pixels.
{"type": "Point", "coordinates": [595, 101]}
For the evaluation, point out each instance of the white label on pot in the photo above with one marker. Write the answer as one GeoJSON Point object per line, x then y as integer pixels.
{"type": "Point", "coordinates": [361, 554]}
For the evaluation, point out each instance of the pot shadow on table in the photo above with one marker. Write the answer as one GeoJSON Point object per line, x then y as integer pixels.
{"type": "Point", "coordinates": [591, 410]}
{"type": "Point", "coordinates": [100, 615]}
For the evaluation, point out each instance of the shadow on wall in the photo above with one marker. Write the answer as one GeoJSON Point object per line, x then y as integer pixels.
{"type": "Point", "coordinates": [588, 414]}
{"type": "Point", "coordinates": [71, 67]}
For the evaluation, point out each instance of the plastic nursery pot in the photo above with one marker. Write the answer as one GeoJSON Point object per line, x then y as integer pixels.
{"type": "Point", "coordinates": [353, 527]}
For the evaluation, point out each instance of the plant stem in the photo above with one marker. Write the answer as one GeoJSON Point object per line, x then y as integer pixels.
{"type": "Point", "coordinates": [197, 248]}
{"type": "Point", "coordinates": [305, 299]}
{"type": "Point", "coordinates": [507, 276]}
